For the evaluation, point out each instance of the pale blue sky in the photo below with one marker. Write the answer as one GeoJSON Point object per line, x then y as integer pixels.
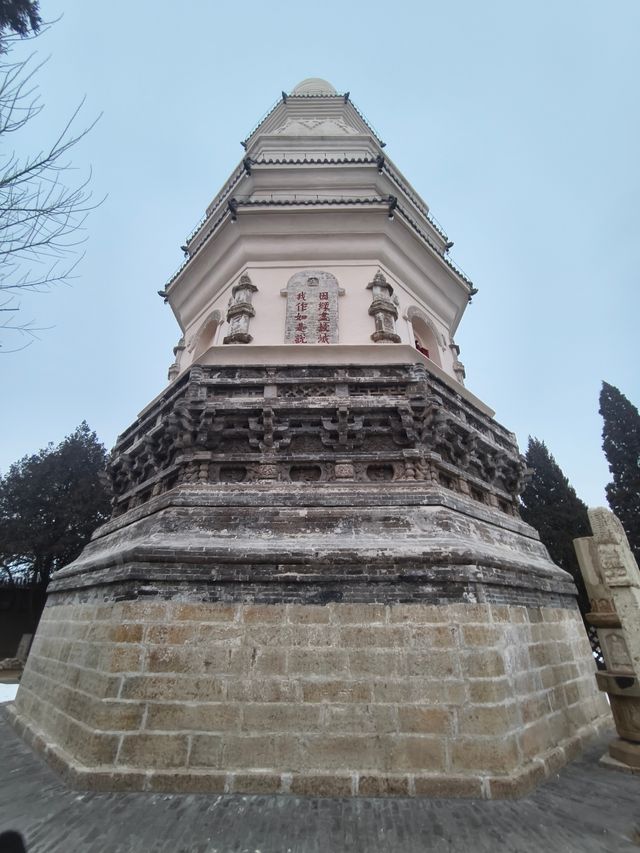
{"type": "Point", "coordinates": [518, 124]}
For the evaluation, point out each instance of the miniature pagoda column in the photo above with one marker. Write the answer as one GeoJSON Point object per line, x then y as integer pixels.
{"type": "Point", "coordinates": [383, 310]}
{"type": "Point", "coordinates": [240, 312]}
{"type": "Point", "coordinates": [315, 579]}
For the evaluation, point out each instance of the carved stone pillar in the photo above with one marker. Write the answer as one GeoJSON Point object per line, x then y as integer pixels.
{"type": "Point", "coordinates": [240, 312]}
{"type": "Point", "coordinates": [383, 310]}
{"type": "Point", "coordinates": [612, 579]}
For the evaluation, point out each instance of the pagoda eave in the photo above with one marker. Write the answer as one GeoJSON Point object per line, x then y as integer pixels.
{"type": "Point", "coordinates": [318, 233]}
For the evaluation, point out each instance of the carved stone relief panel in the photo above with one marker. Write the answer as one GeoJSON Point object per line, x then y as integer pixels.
{"type": "Point", "coordinates": [614, 647]}
{"type": "Point", "coordinates": [618, 565]}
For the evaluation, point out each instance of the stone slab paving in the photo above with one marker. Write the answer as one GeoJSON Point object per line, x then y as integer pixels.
{"type": "Point", "coordinates": [585, 809]}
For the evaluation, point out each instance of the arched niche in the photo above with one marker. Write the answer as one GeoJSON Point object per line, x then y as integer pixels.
{"type": "Point", "coordinates": [207, 335]}
{"type": "Point", "coordinates": [424, 335]}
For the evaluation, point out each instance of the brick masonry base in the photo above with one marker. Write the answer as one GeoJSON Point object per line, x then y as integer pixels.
{"type": "Point", "coordinates": [469, 700]}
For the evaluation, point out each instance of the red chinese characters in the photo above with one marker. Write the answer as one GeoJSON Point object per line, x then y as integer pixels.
{"type": "Point", "coordinates": [301, 318]}
{"type": "Point", "coordinates": [310, 317]}
{"type": "Point", "coordinates": [323, 317]}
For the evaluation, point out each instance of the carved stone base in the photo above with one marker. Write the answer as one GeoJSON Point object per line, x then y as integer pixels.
{"type": "Point", "coordinates": [626, 713]}
{"type": "Point", "coordinates": [315, 581]}
{"type": "Point", "coordinates": [238, 338]}
{"type": "Point", "coordinates": [315, 542]}
{"type": "Point", "coordinates": [626, 752]}
{"type": "Point", "coordinates": [179, 694]}
{"type": "Point", "coordinates": [612, 764]}
{"type": "Point", "coordinates": [385, 337]}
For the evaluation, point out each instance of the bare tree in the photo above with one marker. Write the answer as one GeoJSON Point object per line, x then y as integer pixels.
{"type": "Point", "coordinates": [41, 212]}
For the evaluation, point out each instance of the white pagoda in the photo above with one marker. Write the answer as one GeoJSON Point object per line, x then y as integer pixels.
{"type": "Point", "coordinates": [315, 190]}
{"type": "Point", "coordinates": [315, 580]}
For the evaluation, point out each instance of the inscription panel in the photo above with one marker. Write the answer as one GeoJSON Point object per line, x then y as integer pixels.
{"type": "Point", "coordinates": [312, 308]}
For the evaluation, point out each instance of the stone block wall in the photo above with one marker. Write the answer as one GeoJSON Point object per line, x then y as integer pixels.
{"type": "Point", "coordinates": [472, 700]}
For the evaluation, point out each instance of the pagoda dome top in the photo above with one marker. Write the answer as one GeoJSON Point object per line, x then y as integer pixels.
{"type": "Point", "coordinates": [314, 86]}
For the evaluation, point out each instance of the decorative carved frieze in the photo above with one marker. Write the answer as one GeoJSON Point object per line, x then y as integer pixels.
{"type": "Point", "coordinates": [354, 424]}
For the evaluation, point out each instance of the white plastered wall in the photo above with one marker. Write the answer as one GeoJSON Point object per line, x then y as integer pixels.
{"type": "Point", "coordinates": [355, 325]}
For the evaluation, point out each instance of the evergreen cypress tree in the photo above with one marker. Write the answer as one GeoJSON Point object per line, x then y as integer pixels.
{"type": "Point", "coordinates": [621, 445]}
{"type": "Point", "coordinates": [50, 504]}
{"type": "Point", "coordinates": [550, 504]}
{"type": "Point", "coordinates": [19, 16]}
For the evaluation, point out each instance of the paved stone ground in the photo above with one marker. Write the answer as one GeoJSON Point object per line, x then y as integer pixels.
{"type": "Point", "coordinates": [585, 809]}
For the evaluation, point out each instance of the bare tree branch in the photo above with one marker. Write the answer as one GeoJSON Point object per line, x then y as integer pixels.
{"type": "Point", "coordinates": [23, 333]}
{"type": "Point", "coordinates": [42, 213]}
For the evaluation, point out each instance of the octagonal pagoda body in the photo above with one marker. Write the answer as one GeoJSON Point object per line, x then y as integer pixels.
{"type": "Point", "coordinates": [315, 190]}
{"type": "Point", "coordinates": [315, 579]}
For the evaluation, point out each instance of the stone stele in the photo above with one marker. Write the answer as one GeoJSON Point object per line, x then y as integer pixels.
{"type": "Point", "coordinates": [612, 580]}
{"type": "Point", "coordinates": [315, 580]}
